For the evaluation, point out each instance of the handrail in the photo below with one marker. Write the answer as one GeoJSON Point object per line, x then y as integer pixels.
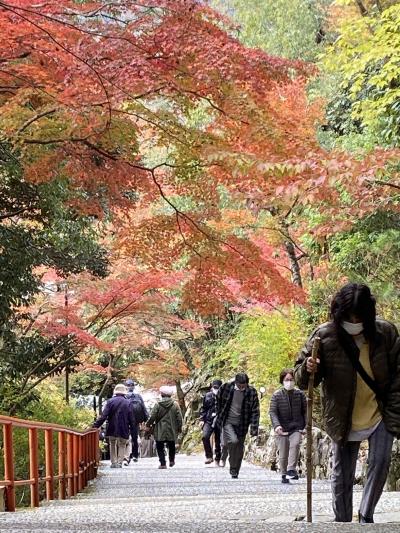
{"type": "Point", "coordinates": [77, 453]}
{"type": "Point", "coordinates": [19, 422]}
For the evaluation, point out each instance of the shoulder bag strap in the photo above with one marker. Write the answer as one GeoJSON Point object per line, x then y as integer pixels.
{"type": "Point", "coordinates": [162, 416]}
{"type": "Point", "coordinates": [353, 353]}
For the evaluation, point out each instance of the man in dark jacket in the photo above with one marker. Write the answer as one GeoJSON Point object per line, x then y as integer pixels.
{"type": "Point", "coordinates": [141, 415]}
{"type": "Point", "coordinates": [358, 367]}
{"type": "Point", "coordinates": [120, 420]}
{"type": "Point", "coordinates": [238, 408]}
{"type": "Point", "coordinates": [288, 409]}
{"type": "Point", "coordinates": [208, 413]}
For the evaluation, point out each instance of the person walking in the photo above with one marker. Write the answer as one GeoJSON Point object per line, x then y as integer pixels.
{"type": "Point", "coordinates": [166, 419]}
{"type": "Point", "coordinates": [208, 412]}
{"type": "Point", "coordinates": [358, 367]}
{"type": "Point", "coordinates": [238, 408]}
{"type": "Point", "coordinates": [120, 421]}
{"type": "Point", "coordinates": [288, 411]}
{"type": "Point", "coordinates": [141, 415]}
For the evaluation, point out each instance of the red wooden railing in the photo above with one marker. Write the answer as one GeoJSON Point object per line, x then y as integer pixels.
{"type": "Point", "coordinates": [78, 455]}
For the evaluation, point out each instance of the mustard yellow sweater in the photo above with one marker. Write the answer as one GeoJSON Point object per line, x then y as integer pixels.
{"type": "Point", "coordinates": [365, 411]}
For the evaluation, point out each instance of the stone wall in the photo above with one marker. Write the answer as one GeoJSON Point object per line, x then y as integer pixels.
{"type": "Point", "coordinates": [263, 451]}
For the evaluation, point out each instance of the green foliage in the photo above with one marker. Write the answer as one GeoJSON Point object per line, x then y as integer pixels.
{"type": "Point", "coordinates": [49, 407]}
{"type": "Point", "coordinates": [263, 344]}
{"type": "Point", "coordinates": [366, 57]}
{"type": "Point", "coordinates": [286, 29]}
{"type": "Point", "coordinates": [370, 253]}
{"type": "Point", "coordinates": [39, 228]}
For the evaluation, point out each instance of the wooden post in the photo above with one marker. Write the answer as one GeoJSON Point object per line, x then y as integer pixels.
{"type": "Point", "coordinates": [86, 458]}
{"type": "Point", "coordinates": [91, 456]}
{"type": "Point", "coordinates": [34, 466]}
{"type": "Point", "coordinates": [97, 452]}
{"type": "Point", "coordinates": [9, 465]}
{"type": "Point", "coordinates": [61, 465]}
{"type": "Point", "coordinates": [80, 462]}
{"type": "Point", "coordinates": [310, 401]}
{"type": "Point", "coordinates": [70, 466]}
{"type": "Point", "coordinates": [75, 448]}
{"type": "Point", "coordinates": [49, 454]}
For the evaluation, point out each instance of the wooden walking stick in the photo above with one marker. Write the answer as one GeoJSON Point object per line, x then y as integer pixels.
{"type": "Point", "coordinates": [310, 400]}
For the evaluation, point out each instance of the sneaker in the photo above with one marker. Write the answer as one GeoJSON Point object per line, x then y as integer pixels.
{"type": "Point", "coordinates": [135, 459]}
{"type": "Point", "coordinates": [171, 464]}
{"type": "Point", "coordinates": [292, 474]}
{"type": "Point", "coordinates": [126, 462]}
{"type": "Point", "coordinates": [222, 463]}
{"type": "Point", "coordinates": [234, 473]}
{"type": "Point", "coordinates": [285, 479]}
{"type": "Point", "coordinates": [162, 467]}
{"type": "Point", "coordinates": [114, 465]}
{"type": "Point", "coordinates": [208, 461]}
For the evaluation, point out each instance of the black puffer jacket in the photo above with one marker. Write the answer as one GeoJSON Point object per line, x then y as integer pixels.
{"type": "Point", "coordinates": [339, 379]}
{"type": "Point", "coordinates": [208, 410]}
{"type": "Point", "coordinates": [288, 409]}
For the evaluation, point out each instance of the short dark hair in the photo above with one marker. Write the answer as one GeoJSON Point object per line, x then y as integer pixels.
{"type": "Point", "coordinates": [283, 373]}
{"type": "Point", "coordinates": [355, 299]}
{"type": "Point", "coordinates": [216, 383]}
{"type": "Point", "coordinates": [241, 378]}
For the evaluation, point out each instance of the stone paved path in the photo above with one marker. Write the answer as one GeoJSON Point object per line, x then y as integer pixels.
{"type": "Point", "coordinates": [193, 498]}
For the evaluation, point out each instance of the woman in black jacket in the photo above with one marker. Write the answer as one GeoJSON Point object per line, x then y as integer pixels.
{"type": "Point", "coordinates": [288, 410]}
{"type": "Point", "coordinates": [358, 367]}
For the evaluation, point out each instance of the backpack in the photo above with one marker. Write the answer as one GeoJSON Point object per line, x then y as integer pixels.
{"type": "Point", "coordinates": [138, 407]}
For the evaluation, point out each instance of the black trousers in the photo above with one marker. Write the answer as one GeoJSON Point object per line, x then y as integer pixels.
{"type": "Point", "coordinates": [208, 430]}
{"type": "Point", "coordinates": [160, 444]}
{"type": "Point", "coordinates": [135, 444]}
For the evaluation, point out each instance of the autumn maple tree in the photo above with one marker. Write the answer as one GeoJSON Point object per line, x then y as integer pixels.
{"type": "Point", "coordinates": [195, 157]}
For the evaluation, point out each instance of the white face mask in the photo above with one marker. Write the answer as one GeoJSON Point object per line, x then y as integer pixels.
{"type": "Point", "coordinates": [351, 328]}
{"type": "Point", "coordinates": [289, 385]}
{"type": "Point", "coordinates": [214, 391]}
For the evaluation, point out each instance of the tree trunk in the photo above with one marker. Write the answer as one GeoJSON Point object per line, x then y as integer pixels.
{"type": "Point", "coordinates": [181, 344]}
{"type": "Point", "coordinates": [107, 381]}
{"type": "Point", "coordinates": [362, 8]}
{"type": "Point", "coordinates": [294, 263]}
{"type": "Point", "coordinates": [181, 397]}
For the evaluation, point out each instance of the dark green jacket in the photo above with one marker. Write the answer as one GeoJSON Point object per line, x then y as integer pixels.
{"type": "Point", "coordinates": [338, 378]}
{"type": "Point", "coordinates": [169, 426]}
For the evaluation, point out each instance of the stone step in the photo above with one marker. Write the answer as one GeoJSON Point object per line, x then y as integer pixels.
{"type": "Point", "coordinates": [194, 498]}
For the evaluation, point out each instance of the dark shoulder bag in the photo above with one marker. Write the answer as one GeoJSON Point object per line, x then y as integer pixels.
{"type": "Point", "coordinates": [149, 430]}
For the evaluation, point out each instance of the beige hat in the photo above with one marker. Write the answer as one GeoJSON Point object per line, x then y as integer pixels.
{"type": "Point", "coordinates": [166, 390]}
{"type": "Point", "coordinates": [120, 389]}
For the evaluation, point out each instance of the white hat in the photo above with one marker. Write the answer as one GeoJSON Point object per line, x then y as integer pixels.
{"type": "Point", "coordinates": [166, 390]}
{"type": "Point", "coordinates": [120, 389]}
